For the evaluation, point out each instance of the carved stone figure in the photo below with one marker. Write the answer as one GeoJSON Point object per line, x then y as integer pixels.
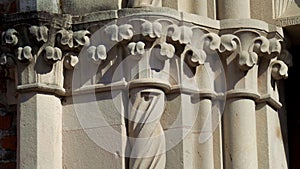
{"type": "Point", "coordinates": [144, 3]}
{"type": "Point", "coordinates": [147, 139]}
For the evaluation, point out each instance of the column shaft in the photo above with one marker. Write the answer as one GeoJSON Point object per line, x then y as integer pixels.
{"type": "Point", "coordinates": [233, 9]}
{"type": "Point", "coordinates": [200, 7]}
{"type": "Point", "coordinates": [240, 134]}
{"type": "Point", "coordinates": [40, 132]}
{"type": "Point", "coordinates": [205, 139]}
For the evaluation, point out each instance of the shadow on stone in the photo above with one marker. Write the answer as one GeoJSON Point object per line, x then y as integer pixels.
{"type": "Point", "coordinates": [297, 2]}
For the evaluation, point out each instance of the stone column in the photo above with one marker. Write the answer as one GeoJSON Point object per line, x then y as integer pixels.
{"type": "Point", "coordinates": [40, 117]}
{"type": "Point", "coordinates": [271, 150]}
{"type": "Point", "coordinates": [233, 9]}
{"type": "Point", "coordinates": [40, 131]}
{"type": "Point", "coordinates": [205, 138]}
{"type": "Point", "coordinates": [39, 5]}
{"type": "Point", "coordinates": [200, 7]}
{"type": "Point", "coordinates": [32, 52]}
{"type": "Point", "coordinates": [240, 130]}
{"type": "Point", "coordinates": [240, 134]}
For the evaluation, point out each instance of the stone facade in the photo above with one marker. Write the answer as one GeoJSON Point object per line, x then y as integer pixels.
{"type": "Point", "coordinates": [145, 83]}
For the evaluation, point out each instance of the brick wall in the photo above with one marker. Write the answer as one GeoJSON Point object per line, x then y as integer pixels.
{"type": "Point", "coordinates": [8, 134]}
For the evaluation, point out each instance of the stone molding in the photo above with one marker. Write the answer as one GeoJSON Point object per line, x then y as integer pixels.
{"type": "Point", "coordinates": [58, 41]}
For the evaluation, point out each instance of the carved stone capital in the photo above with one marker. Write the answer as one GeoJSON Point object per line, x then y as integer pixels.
{"type": "Point", "coordinates": [37, 51]}
{"type": "Point", "coordinates": [249, 46]}
{"type": "Point", "coordinates": [160, 48]}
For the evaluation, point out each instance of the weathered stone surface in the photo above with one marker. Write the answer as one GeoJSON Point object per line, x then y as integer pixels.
{"type": "Point", "coordinates": [39, 5]}
{"type": "Point", "coordinates": [89, 90]}
{"type": "Point", "coordinates": [78, 7]}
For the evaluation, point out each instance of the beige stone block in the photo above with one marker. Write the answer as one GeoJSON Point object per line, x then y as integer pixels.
{"type": "Point", "coordinates": [40, 129]}
{"type": "Point", "coordinates": [233, 9]}
{"type": "Point", "coordinates": [78, 7]}
{"type": "Point", "coordinates": [93, 110]}
{"type": "Point", "coordinates": [82, 150]}
{"type": "Point", "coordinates": [271, 150]}
{"type": "Point", "coordinates": [39, 5]}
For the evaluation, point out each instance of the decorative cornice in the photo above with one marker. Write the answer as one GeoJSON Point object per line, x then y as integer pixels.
{"type": "Point", "coordinates": [13, 43]}
{"type": "Point", "coordinates": [55, 41]}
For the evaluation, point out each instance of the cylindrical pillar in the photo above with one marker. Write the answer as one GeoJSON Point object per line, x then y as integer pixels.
{"type": "Point", "coordinates": [200, 7]}
{"type": "Point", "coordinates": [205, 139]}
{"type": "Point", "coordinates": [240, 134]}
{"type": "Point", "coordinates": [40, 131]}
{"type": "Point", "coordinates": [233, 9]}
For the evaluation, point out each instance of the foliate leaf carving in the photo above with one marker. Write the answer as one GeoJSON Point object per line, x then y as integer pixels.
{"type": "Point", "coordinates": [119, 33]}
{"type": "Point", "coordinates": [97, 54]}
{"type": "Point", "coordinates": [66, 37]}
{"type": "Point", "coordinates": [275, 47]}
{"type": "Point", "coordinates": [153, 30]}
{"type": "Point", "coordinates": [81, 38]}
{"type": "Point", "coordinates": [74, 39]}
{"type": "Point", "coordinates": [262, 45]}
{"type": "Point", "coordinates": [136, 48]}
{"type": "Point", "coordinates": [10, 37]}
{"type": "Point", "coordinates": [213, 41]}
{"type": "Point", "coordinates": [24, 54]}
{"type": "Point", "coordinates": [247, 60]}
{"type": "Point", "coordinates": [167, 51]}
{"type": "Point", "coordinates": [70, 61]}
{"type": "Point", "coordinates": [279, 69]}
{"type": "Point", "coordinates": [229, 43]}
{"type": "Point", "coordinates": [40, 33]}
{"type": "Point", "coordinates": [183, 34]}
{"type": "Point", "coordinates": [52, 54]}
{"type": "Point", "coordinates": [195, 57]}
{"type": "Point", "coordinates": [248, 53]}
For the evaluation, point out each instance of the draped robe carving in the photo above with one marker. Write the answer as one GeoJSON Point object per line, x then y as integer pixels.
{"type": "Point", "coordinates": [147, 139]}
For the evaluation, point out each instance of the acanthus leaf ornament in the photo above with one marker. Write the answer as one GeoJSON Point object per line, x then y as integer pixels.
{"type": "Point", "coordinates": [73, 39]}
{"type": "Point", "coordinates": [275, 47]}
{"type": "Point", "coordinates": [97, 54]}
{"type": "Point", "coordinates": [279, 70]}
{"type": "Point", "coordinates": [136, 48]}
{"type": "Point", "coordinates": [119, 33]}
{"type": "Point", "coordinates": [211, 40]}
{"type": "Point", "coordinates": [70, 61]}
{"type": "Point", "coordinates": [10, 37]}
{"type": "Point", "coordinates": [152, 30]}
{"type": "Point", "coordinates": [52, 54]}
{"type": "Point", "coordinates": [167, 51]}
{"type": "Point", "coordinates": [229, 42]}
{"type": "Point", "coordinates": [182, 34]}
{"type": "Point", "coordinates": [41, 33]}
{"type": "Point", "coordinates": [81, 38]}
{"type": "Point", "coordinates": [194, 56]}
{"type": "Point", "coordinates": [247, 60]}
{"type": "Point", "coordinates": [262, 45]}
{"type": "Point", "coordinates": [248, 55]}
{"type": "Point", "coordinates": [25, 54]}
{"type": "Point", "coordinates": [66, 37]}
